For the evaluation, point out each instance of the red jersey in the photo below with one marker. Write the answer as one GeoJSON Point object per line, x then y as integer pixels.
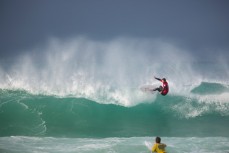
{"type": "Point", "coordinates": [165, 88]}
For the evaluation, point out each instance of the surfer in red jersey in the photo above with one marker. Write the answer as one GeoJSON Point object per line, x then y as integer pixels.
{"type": "Point", "coordinates": [164, 89]}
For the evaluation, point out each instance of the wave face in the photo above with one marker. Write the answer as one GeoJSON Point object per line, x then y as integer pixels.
{"type": "Point", "coordinates": [25, 114]}
{"type": "Point", "coordinates": [86, 88]}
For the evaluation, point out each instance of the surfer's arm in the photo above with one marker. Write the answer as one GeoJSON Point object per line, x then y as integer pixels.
{"type": "Point", "coordinates": [154, 148]}
{"type": "Point", "coordinates": [157, 78]}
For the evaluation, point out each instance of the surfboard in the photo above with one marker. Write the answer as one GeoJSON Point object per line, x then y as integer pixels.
{"type": "Point", "coordinates": [147, 88]}
{"type": "Point", "coordinates": [148, 145]}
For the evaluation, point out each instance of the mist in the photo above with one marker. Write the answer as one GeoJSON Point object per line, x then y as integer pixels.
{"type": "Point", "coordinates": [105, 71]}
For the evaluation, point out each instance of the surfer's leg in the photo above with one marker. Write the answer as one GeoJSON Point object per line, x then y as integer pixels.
{"type": "Point", "coordinates": [158, 89]}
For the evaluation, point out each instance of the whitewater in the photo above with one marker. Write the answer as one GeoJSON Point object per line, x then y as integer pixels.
{"type": "Point", "coordinates": [81, 95]}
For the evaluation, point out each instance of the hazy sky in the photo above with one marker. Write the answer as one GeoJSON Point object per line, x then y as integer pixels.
{"type": "Point", "coordinates": [201, 26]}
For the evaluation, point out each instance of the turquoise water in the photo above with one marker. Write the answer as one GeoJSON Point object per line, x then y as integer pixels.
{"type": "Point", "coordinates": [39, 115]}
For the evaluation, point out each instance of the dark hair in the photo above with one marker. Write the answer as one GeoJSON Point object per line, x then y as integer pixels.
{"type": "Point", "coordinates": [158, 140]}
{"type": "Point", "coordinates": [164, 79]}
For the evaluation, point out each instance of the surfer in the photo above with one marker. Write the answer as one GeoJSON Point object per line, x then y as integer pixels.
{"type": "Point", "coordinates": [158, 146]}
{"type": "Point", "coordinates": [164, 89]}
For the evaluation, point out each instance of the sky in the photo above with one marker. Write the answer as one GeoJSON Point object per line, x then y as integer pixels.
{"type": "Point", "coordinates": [202, 27]}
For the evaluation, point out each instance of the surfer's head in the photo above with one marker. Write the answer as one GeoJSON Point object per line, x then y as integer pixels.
{"type": "Point", "coordinates": [158, 140]}
{"type": "Point", "coordinates": [164, 79]}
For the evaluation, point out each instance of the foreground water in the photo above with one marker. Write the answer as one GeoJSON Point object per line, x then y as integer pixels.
{"type": "Point", "coordinates": [18, 144]}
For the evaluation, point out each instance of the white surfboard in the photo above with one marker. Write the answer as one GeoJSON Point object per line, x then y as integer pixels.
{"type": "Point", "coordinates": [148, 145]}
{"type": "Point", "coordinates": [147, 88]}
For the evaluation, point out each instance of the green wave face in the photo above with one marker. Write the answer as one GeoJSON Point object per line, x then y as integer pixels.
{"type": "Point", "coordinates": [26, 114]}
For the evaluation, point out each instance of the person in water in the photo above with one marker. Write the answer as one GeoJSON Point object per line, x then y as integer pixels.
{"type": "Point", "coordinates": [164, 89]}
{"type": "Point", "coordinates": [158, 146]}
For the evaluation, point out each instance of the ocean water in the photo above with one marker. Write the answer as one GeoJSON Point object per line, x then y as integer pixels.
{"type": "Point", "coordinates": [111, 145]}
{"type": "Point", "coordinates": [84, 96]}
{"type": "Point", "coordinates": [45, 123]}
